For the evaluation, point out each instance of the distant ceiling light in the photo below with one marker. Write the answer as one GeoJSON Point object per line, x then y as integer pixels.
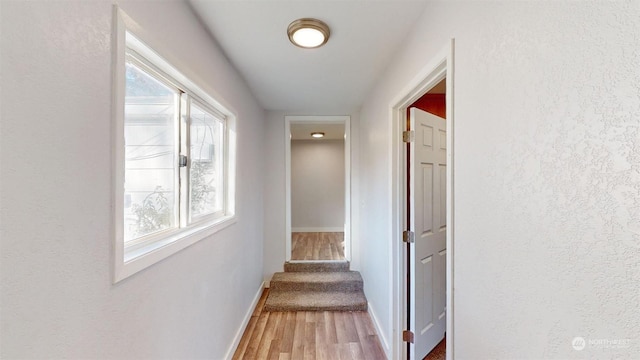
{"type": "Point", "coordinates": [308, 33]}
{"type": "Point", "coordinates": [317, 135]}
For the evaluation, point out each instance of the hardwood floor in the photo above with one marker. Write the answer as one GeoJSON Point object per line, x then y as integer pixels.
{"type": "Point", "coordinates": [317, 246]}
{"type": "Point", "coordinates": [307, 335]}
{"type": "Point", "coordinates": [439, 352]}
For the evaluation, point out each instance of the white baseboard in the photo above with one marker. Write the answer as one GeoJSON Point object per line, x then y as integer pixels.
{"type": "Point", "coordinates": [376, 323]}
{"type": "Point", "coordinates": [245, 322]}
{"type": "Point", "coordinates": [318, 229]}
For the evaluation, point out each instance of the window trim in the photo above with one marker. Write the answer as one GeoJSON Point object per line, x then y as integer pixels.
{"type": "Point", "coordinates": [139, 255]}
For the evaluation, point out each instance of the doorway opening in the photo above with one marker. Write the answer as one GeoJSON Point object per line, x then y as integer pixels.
{"type": "Point", "coordinates": [418, 183]}
{"type": "Point", "coordinates": [318, 224]}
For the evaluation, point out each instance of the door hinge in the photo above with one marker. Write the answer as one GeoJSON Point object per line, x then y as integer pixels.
{"type": "Point", "coordinates": [407, 336]}
{"type": "Point", "coordinates": [408, 136]}
{"type": "Point", "coordinates": [408, 236]}
{"type": "Point", "coordinates": [183, 160]}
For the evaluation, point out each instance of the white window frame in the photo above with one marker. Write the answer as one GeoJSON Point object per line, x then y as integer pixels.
{"type": "Point", "coordinates": [141, 253]}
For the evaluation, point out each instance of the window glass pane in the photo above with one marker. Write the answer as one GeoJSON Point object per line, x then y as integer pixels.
{"type": "Point", "coordinates": [206, 134]}
{"type": "Point", "coordinates": [150, 155]}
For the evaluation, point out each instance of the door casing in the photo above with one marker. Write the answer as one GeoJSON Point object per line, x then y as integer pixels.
{"type": "Point", "coordinates": [440, 66]}
{"type": "Point", "coordinates": [346, 121]}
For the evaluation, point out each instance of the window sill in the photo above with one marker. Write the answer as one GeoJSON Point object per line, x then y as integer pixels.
{"type": "Point", "coordinates": [139, 257]}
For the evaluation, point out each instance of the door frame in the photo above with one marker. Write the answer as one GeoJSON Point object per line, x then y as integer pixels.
{"type": "Point", "coordinates": [326, 119]}
{"type": "Point", "coordinates": [439, 67]}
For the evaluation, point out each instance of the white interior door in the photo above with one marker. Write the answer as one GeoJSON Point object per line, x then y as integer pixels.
{"type": "Point", "coordinates": [428, 154]}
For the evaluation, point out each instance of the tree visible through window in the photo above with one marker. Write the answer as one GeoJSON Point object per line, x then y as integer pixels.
{"type": "Point", "coordinates": [150, 151]}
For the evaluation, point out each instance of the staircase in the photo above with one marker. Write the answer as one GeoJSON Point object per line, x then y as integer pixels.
{"type": "Point", "coordinates": [316, 286]}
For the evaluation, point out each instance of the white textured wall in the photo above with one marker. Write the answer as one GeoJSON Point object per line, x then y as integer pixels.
{"type": "Point", "coordinates": [274, 195]}
{"type": "Point", "coordinates": [317, 184]}
{"type": "Point", "coordinates": [547, 165]}
{"type": "Point", "coordinates": [58, 300]}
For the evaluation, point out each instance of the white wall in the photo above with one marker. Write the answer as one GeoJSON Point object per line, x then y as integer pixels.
{"type": "Point", "coordinates": [274, 195]}
{"type": "Point", "coordinates": [58, 300]}
{"type": "Point", "coordinates": [317, 184]}
{"type": "Point", "coordinates": [547, 186]}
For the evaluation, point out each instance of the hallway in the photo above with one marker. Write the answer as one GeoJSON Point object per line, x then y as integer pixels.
{"type": "Point", "coordinates": [543, 228]}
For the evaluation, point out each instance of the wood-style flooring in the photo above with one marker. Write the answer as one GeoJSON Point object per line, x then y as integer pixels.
{"type": "Point", "coordinates": [439, 352]}
{"type": "Point", "coordinates": [308, 335]}
{"type": "Point", "coordinates": [317, 246]}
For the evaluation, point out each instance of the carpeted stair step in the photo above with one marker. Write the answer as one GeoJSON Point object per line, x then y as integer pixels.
{"type": "Point", "coordinates": [347, 281]}
{"type": "Point", "coordinates": [325, 266]}
{"type": "Point", "coordinates": [316, 286]}
{"type": "Point", "coordinates": [315, 301]}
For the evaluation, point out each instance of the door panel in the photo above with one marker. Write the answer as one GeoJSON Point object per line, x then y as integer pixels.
{"type": "Point", "coordinates": [426, 315]}
{"type": "Point", "coordinates": [443, 198]}
{"type": "Point", "coordinates": [440, 302]}
{"type": "Point", "coordinates": [427, 199]}
{"type": "Point", "coordinates": [428, 221]}
{"type": "Point", "coordinates": [427, 135]}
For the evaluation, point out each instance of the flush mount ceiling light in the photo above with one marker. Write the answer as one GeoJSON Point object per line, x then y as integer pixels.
{"type": "Point", "coordinates": [308, 33]}
{"type": "Point", "coordinates": [317, 134]}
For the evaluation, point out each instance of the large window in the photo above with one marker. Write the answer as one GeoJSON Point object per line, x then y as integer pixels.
{"type": "Point", "coordinates": [174, 160]}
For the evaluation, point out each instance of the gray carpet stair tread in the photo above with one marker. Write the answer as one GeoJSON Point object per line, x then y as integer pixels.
{"type": "Point", "coordinates": [317, 281]}
{"type": "Point", "coordinates": [316, 286]}
{"type": "Point", "coordinates": [329, 266]}
{"type": "Point", "coordinates": [315, 301]}
{"type": "Point", "coordinates": [317, 276]}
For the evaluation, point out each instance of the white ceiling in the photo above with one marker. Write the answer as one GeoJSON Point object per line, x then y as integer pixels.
{"type": "Point", "coordinates": [303, 131]}
{"type": "Point", "coordinates": [332, 79]}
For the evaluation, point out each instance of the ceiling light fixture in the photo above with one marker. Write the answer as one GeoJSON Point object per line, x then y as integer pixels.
{"type": "Point", "coordinates": [308, 33]}
{"type": "Point", "coordinates": [317, 134]}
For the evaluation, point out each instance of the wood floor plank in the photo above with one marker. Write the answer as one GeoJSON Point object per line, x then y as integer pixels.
{"type": "Point", "coordinates": [280, 328]}
{"type": "Point", "coordinates": [374, 348]}
{"type": "Point", "coordinates": [310, 316]}
{"type": "Point", "coordinates": [345, 351]}
{"type": "Point", "coordinates": [322, 352]}
{"type": "Point", "coordinates": [350, 332]}
{"type": "Point", "coordinates": [338, 319]}
{"type": "Point", "coordinates": [321, 337]}
{"type": "Point", "coordinates": [330, 327]}
{"type": "Point", "coordinates": [297, 352]}
{"type": "Point", "coordinates": [306, 335]}
{"type": "Point", "coordinates": [256, 337]}
{"type": "Point", "coordinates": [311, 246]}
{"type": "Point", "coordinates": [363, 323]}
{"type": "Point", "coordinates": [244, 342]}
{"type": "Point", "coordinates": [371, 348]}
{"type": "Point", "coordinates": [274, 350]}
{"type": "Point", "coordinates": [286, 345]}
{"type": "Point", "coordinates": [260, 305]}
{"type": "Point", "coordinates": [356, 350]}
{"type": "Point", "coordinates": [268, 335]}
{"type": "Point", "coordinates": [327, 352]}
{"type": "Point", "coordinates": [310, 340]}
